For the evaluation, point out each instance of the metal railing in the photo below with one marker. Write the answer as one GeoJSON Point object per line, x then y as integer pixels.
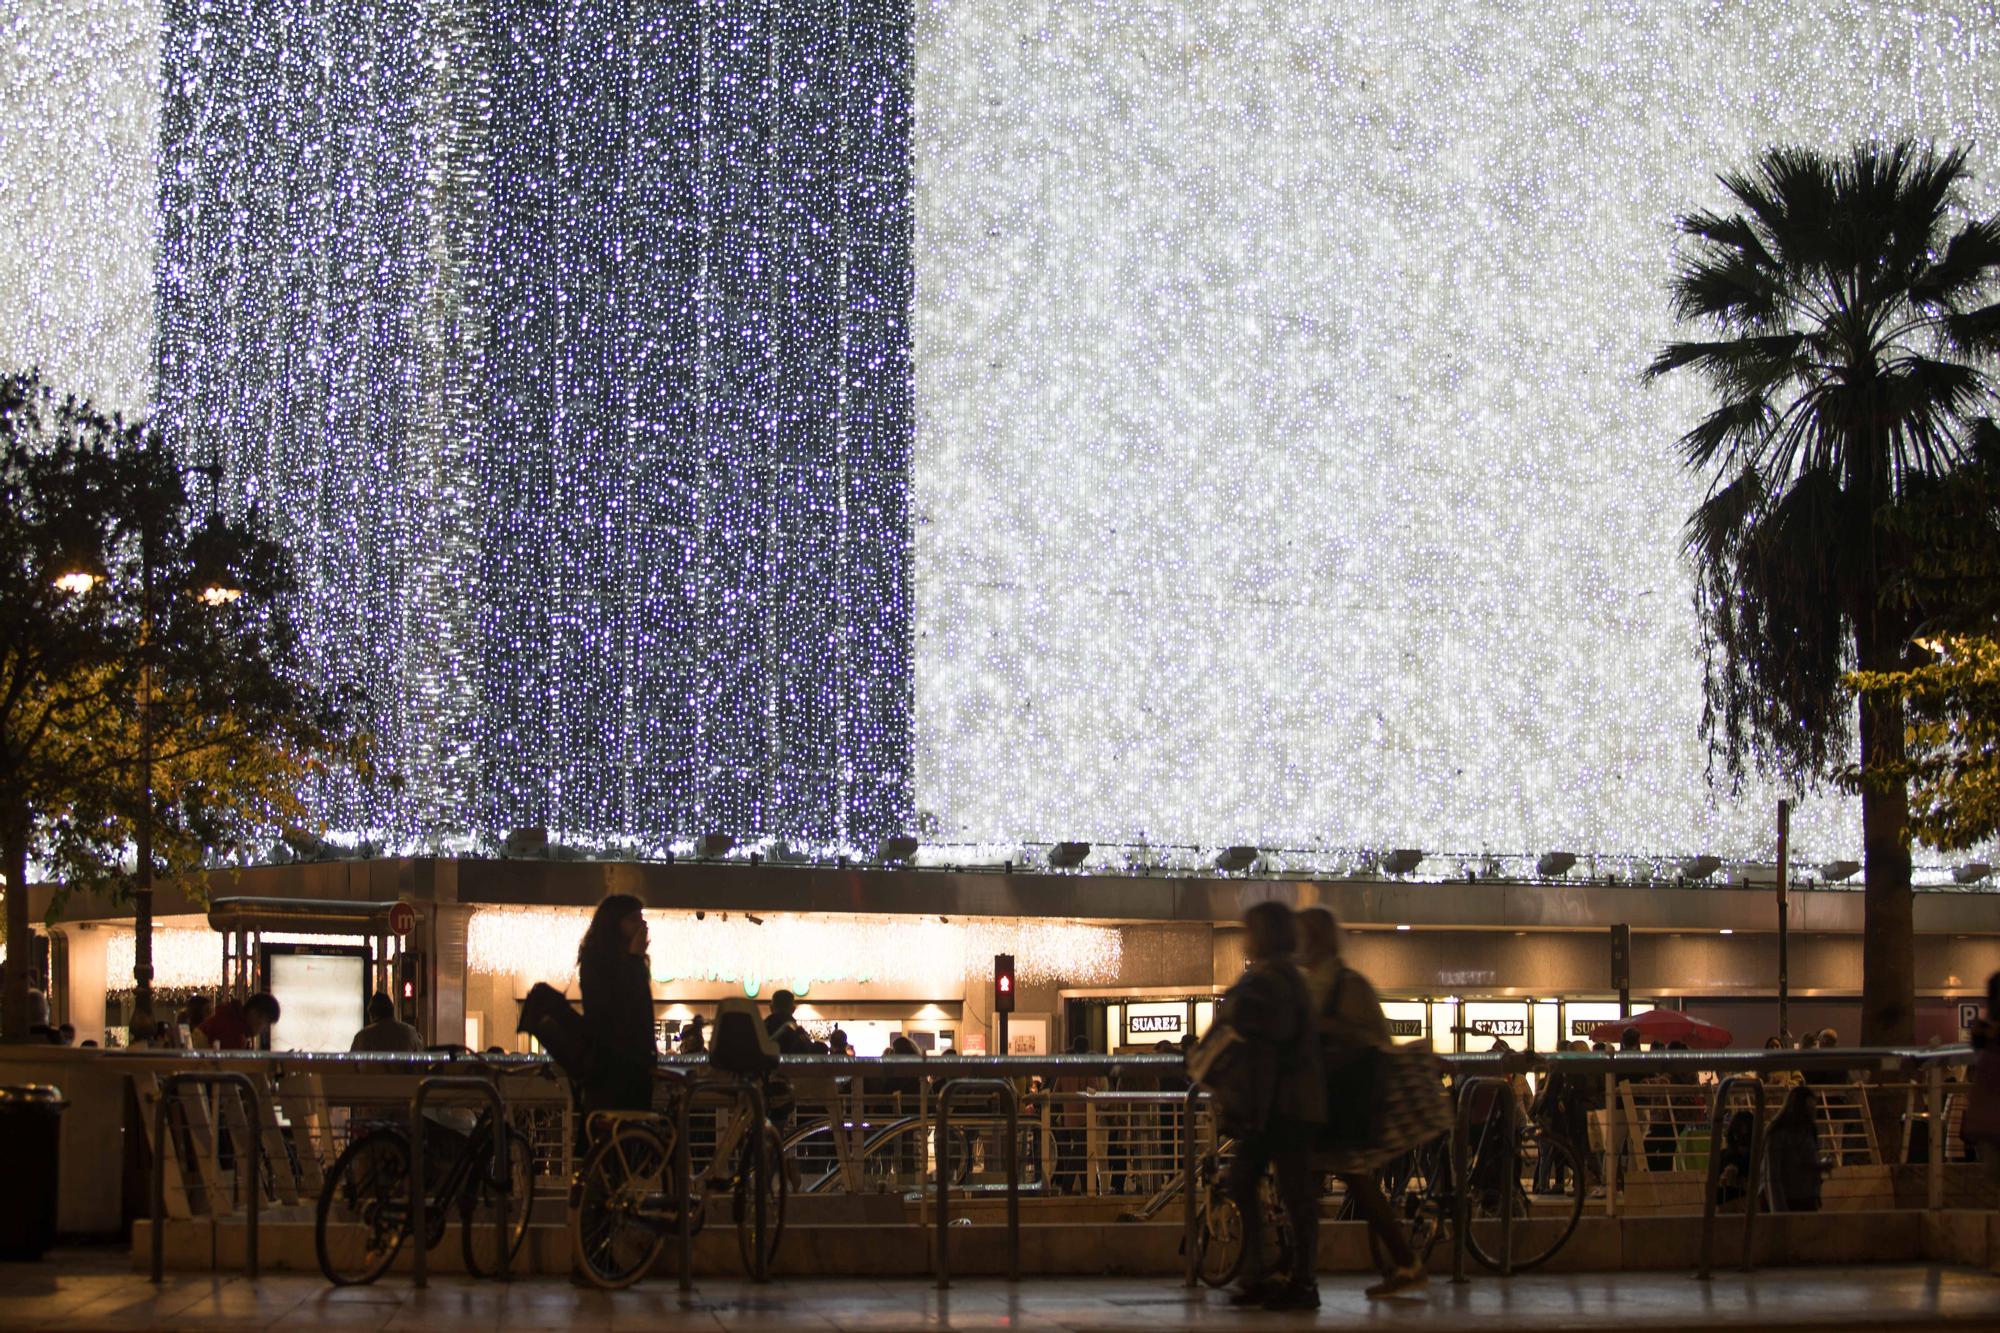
{"type": "Point", "coordinates": [170, 1087]}
{"type": "Point", "coordinates": [420, 1187]}
{"type": "Point", "coordinates": [1461, 1168]}
{"type": "Point", "coordinates": [1709, 1197]}
{"type": "Point", "coordinates": [951, 1090]}
{"type": "Point", "coordinates": [1129, 1150]}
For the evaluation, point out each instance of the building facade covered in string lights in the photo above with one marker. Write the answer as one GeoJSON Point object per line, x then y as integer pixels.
{"type": "Point", "coordinates": [1173, 428]}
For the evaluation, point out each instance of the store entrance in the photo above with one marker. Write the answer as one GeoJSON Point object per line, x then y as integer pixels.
{"type": "Point", "coordinates": [1136, 1024]}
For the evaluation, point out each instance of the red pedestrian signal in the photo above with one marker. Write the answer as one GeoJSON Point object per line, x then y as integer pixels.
{"type": "Point", "coordinates": [1003, 983]}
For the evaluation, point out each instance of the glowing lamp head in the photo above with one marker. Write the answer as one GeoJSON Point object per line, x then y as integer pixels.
{"type": "Point", "coordinates": [217, 594]}
{"type": "Point", "coordinates": [76, 582]}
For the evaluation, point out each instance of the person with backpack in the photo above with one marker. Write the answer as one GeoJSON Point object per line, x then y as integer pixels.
{"type": "Point", "coordinates": [617, 984]}
{"type": "Point", "coordinates": [1273, 1099]}
{"type": "Point", "coordinates": [1354, 1036]}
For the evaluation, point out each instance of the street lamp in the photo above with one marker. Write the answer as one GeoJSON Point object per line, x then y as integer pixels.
{"type": "Point", "coordinates": [76, 582]}
{"type": "Point", "coordinates": [214, 586]}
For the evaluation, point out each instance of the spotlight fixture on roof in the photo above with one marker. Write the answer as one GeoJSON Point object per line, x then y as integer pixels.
{"type": "Point", "coordinates": [1700, 867]}
{"type": "Point", "coordinates": [899, 848]}
{"type": "Point", "coordinates": [1068, 855]}
{"type": "Point", "coordinates": [1232, 859]}
{"type": "Point", "coordinates": [1971, 872]}
{"type": "Point", "coordinates": [1835, 871]}
{"type": "Point", "coordinates": [710, 846]}
{"type": "Point", "coordinates": [526, 842]}
{"type": "Point", "coordinates": [753, 918]}
{"type": "Point", "coordinates": [1553, 864]}
{"type": "Point", "coordinates": [1401, 861]}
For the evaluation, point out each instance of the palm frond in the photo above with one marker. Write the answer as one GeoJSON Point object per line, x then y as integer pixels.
{"type": "Point", "coordinates": [1731, 231]}
{"type": "Point", "coordinates": [1735, 427]}
{"type": "Point", "coordinates": [1736, 366]}
{"type": "Point", "coordinates": [1970, 260]}
{"type": "Point", "coordinates": [1917, 184]}
{"type": "Point", "coordinates": [1923, 390]}
{"type": "Point", "coordinates": [1718, 524]}
{"type": "Point", "coordinates": [1976, 332]}
{"type": "Point", "coordinates": [1727, 287]}
{"type": "Point", "coordinates": [1794, 193]}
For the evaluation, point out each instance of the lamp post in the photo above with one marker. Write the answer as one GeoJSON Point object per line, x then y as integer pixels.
{"type": "Point", "coordinates": [1784, 911]}
{"type": "Point", "coordinates": [215, 589]}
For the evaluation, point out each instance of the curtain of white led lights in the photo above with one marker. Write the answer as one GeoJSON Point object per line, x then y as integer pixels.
{"type": "Point", "coordinates": [569, 345]}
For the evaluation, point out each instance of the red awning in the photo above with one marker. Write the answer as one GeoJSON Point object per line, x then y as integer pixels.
{"type": "Point", "coordinates": [1666, 1025]}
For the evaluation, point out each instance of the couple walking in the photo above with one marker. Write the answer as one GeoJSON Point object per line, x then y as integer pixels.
{"type": "Point", "coordinates": [1301, 1069]}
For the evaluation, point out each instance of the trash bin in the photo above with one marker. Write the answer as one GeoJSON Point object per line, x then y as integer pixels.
{"type": "Point", "coordinates": [30, 1145]}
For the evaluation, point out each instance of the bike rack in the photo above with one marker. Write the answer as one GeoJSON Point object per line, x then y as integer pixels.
{"type": "Point", "coordinates": [1189, 1168]}
{"type": "Point", "coordinates": [945, 1095]}
{"type": "Point", "coordinates": [1461, 1205]}
{"type": "Point", "coordinates": [419, 1191]}
{"type": "Point", "coordinates": [1750, 1186]}
{"type": "Point", "coordinates": [746, 1089]}
{"type": "Point", "coordinates": [254, 1107]}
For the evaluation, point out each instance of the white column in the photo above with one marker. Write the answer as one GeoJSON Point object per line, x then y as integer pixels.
{"type": "Point", "coordinates": [87, 980]}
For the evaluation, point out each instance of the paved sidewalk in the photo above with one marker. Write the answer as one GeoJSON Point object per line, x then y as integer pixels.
{"type": "Point", "coordinates": [72, 1292]}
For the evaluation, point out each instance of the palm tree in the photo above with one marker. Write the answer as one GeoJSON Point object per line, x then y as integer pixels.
{"type": "Point", "coordinates": [1854, 335]}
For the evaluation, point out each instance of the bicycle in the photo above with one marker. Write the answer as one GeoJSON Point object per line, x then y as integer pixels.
{"type": "Point", "coordinates": [364, 1211]}
{"type": "Point", "coordinates": [1218, 1237]}
{"type": "Point", "coordinates": [627, 1195]}
{"type": "Point", "coordinates": [1549, 1187]}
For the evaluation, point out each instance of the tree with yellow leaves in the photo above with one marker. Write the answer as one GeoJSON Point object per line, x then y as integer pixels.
{"type": "Point", "coordinates": [1952, 738]}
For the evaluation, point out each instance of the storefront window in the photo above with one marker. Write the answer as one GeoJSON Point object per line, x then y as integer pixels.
{"type": "Point", "coordinates": [1580, 1017]}
{"type": "Point", "coordinates": [1545, 1028]}
{"type": "Point", "coordinates": [1444, 1019]}
{"type": "Point", "coordinates": [1490, 1020]}
{"type": "Point", "coordinates": [1409, 1021]}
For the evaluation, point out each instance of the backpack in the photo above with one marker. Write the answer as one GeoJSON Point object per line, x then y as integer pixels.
{"type": "Point", "coordinates": [738, 1042]}
{"type": "Point", "coordinates": [1224, 1063]}
{"type": "Point", "coordinates": [549, 1017]}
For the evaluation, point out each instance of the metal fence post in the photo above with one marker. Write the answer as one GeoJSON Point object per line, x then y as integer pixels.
{"type": "Point", "coordinates": [684, 1174]}
{"type": "Point", "coordinates": [1461, 1170]}
{"type": "Point", "coordinates": [760, 1170]}
{"type": "Point", "coordinates": [253, 1111]}
{"type": "Point", "coordinates": [1715, 1144]}
{"type": "Point", "coordinates": [1189, 1160]}
{"type": "Point", "coordinates": [1461, 1211]}
{"type": "Point", "coordinates": [946, 1095]}
{"type": "Point", "coordinates": [420, 1188]}
{"type": "Point", "coordinates": [1938, 1136]}
{"type": "Point", "coordinates": [1510, 1125]}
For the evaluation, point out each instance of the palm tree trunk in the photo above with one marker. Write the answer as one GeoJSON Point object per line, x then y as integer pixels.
{"type": "Point", "coordinates": [1888, 947]}
{"type": "Point", "coordinates": [20, 957]}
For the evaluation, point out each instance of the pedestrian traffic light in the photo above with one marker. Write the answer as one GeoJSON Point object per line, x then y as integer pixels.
{"type": "Point", "coordinates": [1003, 983]}
{"type": "Point", "coordinates": [409, 980]}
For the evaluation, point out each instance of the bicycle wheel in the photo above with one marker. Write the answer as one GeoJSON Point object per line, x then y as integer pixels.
{"type": "Point", "coordinates": [1218, 1240]}
{"type": "Point", "coordinates": [623, 1205]}
{"type": "Point", "coordinates": [742, 1207]}
{"type": "Point", "coordinates": [1426, 1228]}
{"type": "Point", "coordinates": [482, 1191]}
{"type": "Point", "coordinates": [1418, 1200]}
{"type": "Point", "coordinates": [1544, 1220]}
{"type": "Point", "coordinates": [364, 1210]}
